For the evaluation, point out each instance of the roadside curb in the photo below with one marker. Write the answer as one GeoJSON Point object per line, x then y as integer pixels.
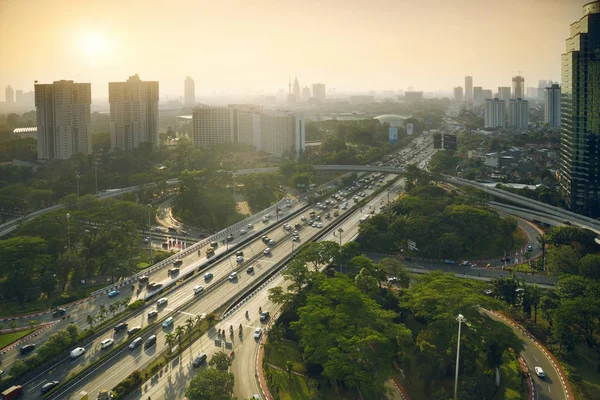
{"type": "Point", "coordinates": [43, 327]}
{"type": "Point", "coordinates": [259, 359]}
{"type": "Point", "coordinates": [530, 385]}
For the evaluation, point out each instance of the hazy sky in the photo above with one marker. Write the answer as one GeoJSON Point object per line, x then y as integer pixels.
{"type": "Point", "coordinates": [255, 44]}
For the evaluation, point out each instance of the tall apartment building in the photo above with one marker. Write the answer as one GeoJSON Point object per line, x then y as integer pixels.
{"type": "Point", "coordinates": [63, 119]}
{"type": "Point", "coordinates": [477, 96]}
{"type": "Point", "coordinates": [9, 95]}
{"type": "Point", "coordinates": [318, 91]}
{"type": "Point", "coordinates": [458, 94]}
{"type": "Point", "coordinates": [552, 106]}
{"type": "Point", "coordinates": [541, 90]}
{"type": "Point", "coordinates": [495, 113]}
{"type": "Point", "coordinates": [133, 113]}
{"type": "Point", "coordinates": [579, 168]}
{"type": "Point", "coordinates": [518, 114]}
{"type": "Point", "coordinates": [504, 93]}
{"type": "Point", "coordinates": [189, 91]}
{"type": "Point", "coordinates": [282, 132]}
{"type": "Point", "coordinates": [212, 125]}
{"type": "Point", "coordinates": [468, 89]}
{"type": "Point", "coordinates": [19, 98]}
{"type": "Point", "coordinates": [246, 124]}
{"type": "Point", "coordinates": [518, 85]}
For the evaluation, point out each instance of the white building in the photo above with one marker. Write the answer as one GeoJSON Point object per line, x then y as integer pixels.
{"type": "Point", "coordinates": [212, 125]}
{"type": "Point", "coordinates": [133, 113]}
{"type": "Point", "coordinates": [468, 89]}
{"type": "Point", "coordinates": [189, 91]}
{"type": "Point", "coordinates": [281, 132]}
{"type": "Point", "coordinates": [63, 119]}
{"type": "Point", "coordinates": [495, 113]}
{"type": "Point", "coordinates": [518, 114]}
{"type": "Point", "coordinates": [552, 106]}
{"type": "Point", "coordinates": [247, 124]}
{"type": "Point", "coordinates": [458, 94]}
{"type": "Point", "coordinates": [477, 96]}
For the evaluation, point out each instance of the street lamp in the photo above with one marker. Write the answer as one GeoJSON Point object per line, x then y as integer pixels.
{"type": "Point", "coordinates": [96, 174]}
{"type": "Point", "coordinates": [460, 320]}
{"type": "Point", "coordinates": [340, 231]}
{"type": "Point", "coordinates": [69, 234]}
{"type": "Point", "coordinates": [149, 233]}
{"type": "Point", "coordinates": [77, 177]}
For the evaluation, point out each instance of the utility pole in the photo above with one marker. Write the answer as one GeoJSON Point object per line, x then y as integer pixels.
{"type": "Point", "coordinates": [149, 232]}
{"type": "Point", "coordinates": [460, 320]}
{"type": "Point", "coordinates": [96, 174]}
{"type": "Point", "coordinates": [77, 177]}
{"type": "Point", "coordinates": [69, 234]}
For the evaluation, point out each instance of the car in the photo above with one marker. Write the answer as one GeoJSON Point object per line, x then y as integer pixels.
{"type": "Point", "coordinates": [265, 219]}
{"type": "Point", "coordinates": [58, 312]}
{"type": "Point", "coordinates": [465, 263]}
{"type": "Point", "coordinates": [297, 226]}
{"type": "Point", "coordinates": [136, 343]}
{"type": "Point", "coordinates": [198, 289]}
{"type": "Point", "coordinates": [230, 237]}
{"type": "Point", "coordinates": [257, 333]}
{"type": "Point", "coordinates": [287, 227]}
{"type": "Point", "coordinates": [152, 314]}
{"type": "Point", "coordinates": [250, 269]}
{"type": "Point", "coordinates": [151, 341]}
{"type": "Point", "coordinates": [271, 242]}
{"type": "Point", "coordinates": [539, 372]}
{"type": "Point", "coordinates": [295, 238]}
{"type": "Point", "coordinates": [134, 330]}
{"type": "Point", "coordinates": [214, 245]}
{"type": "Point", "coordinates": [162, 301]}
{"type": "Point", "coordinates": [295, 233]}
{"type": "Point", "coordinates": [232, 276]}
{"type": "Point", "coordinates": [264, 316]}
{"type": "Point", "coordinates": [303, 218]}
{"type": "Point", "coordinates": [49, 386]}
{"type": "Point", "coordinates": [107, 343]}
{"type": "Point", "coordinates": [529, 248]}
{"type": "Point", "coordinates": [199, 360]}
{"type": "Point", "coordinates": [76, 352]}
{"type": "Point", "coordinates": [208, 276]}
{"type": "Point", "coordinates": [143, 279]}
{"type": "Point", "coordinates": [239, 259]}
{"type": "Point", "coordinates": [27, 348]}
{"type": "Point", "coordinates": [168, 322]}
{"type": "Point", "coordinates": [113, 293]}
{"type": "Point", "coordinates": [243, 232]}
{"type": "Point", "coordinates": [239, 254]}
{"type": "Point", "coordinates": [179, 261]}
{"type": "Point", "coordinates": [265, 239]}
{"type": "Point", "coordinates": [449, 261]}
{"type": "Point", "coordinates": [319, 225]}
{"type": "Point", "coordinates": [267, 251]}
{"type": "Point", "coordinates": [173, 271]}
{"type": "Point", "coordinates": [120, 327]}
{"type": "Point", "coordinates": [250, 226]}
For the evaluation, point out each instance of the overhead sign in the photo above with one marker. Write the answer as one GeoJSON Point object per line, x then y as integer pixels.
{"type": "Point", "coordinates": [393, 135]}
{"type": "Point", "coordinates": [409, 129]}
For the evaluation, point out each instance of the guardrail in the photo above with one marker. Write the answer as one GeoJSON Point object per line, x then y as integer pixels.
{"type": "Point", "coordinates": [193, 248]}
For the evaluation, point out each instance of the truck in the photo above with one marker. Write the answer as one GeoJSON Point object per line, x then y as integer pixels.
{"type": "Point", "coordinates": [12, 392]}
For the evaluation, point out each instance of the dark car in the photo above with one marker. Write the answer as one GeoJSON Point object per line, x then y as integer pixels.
{"type": "Point", "coordinates": [121, 327]}
{"type": "Point", "coordinates": [230, 238]}
{"type": "Point", "coordinates": [143, 279]}
{"type": "Point", "coordinates": [199, 360]}
{"type": "Point", "coordinates": [28, 348]}
{"type": "Point", "coordinates": [250, 269]}
{"type": "Point", "coordinates": [264, 316]}
{"type": "Point", "coordinates": [134, 330]}
{"type": "Point", "coordinates": [49, 386]}
{"type": "Point", "coordinates": [151, 341]}
{"type": "Point", "coordinates": [58, 312]}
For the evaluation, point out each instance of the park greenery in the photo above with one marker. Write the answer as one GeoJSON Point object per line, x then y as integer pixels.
{"type": "Point", "coordinates": [214, 382]}
{"type": "Point", "coordinates": [351, 328]}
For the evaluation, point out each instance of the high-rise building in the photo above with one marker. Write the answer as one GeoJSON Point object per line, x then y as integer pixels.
{"type": "Point", "coordinates": [541, 90]}
{"type": "Point", "coordinates": [477, 96]}
{"type": "Point", "coordinates": [29, 99]}
{"type": "Point", "coordinates": [19, 97]}
{"type": "Point", "coordinates": [495, 113]}
{"type": "Point", "coordinates": [189, 90]}
{"type": "Point", "coordinates": [246, 124]}
{"type": "Point", "coordinates": [487, 94]}
{"type": "Point", "coordinates": [579, 168]}
{"type": "Point", "coordinates": [552, 106]}
{"type": "Point", "coordinates": [297, 92]}
{"type": "Point", "coordinates": [458, 94]}
{"type": "Point", "coordinates": [9, 95]}
{"type": "Point", "coordinates": [306, 93]}
{"type": "Point", "coordinates": [63, 119]}
{"type": "Point", "coordinates": [413, 97]}
{"type": "Point", "coordinates": [133, 113]}
{"type": "Point", "coordinates": [518, 86]}
{"type": "Point", "coordinates": [212, 125]}
{"type": "Point", "coordinates": [468, 89]}
{"type": "Point", "coordinates": [518, 114]}
{"type": "Point", "coordinates": [282, 132]}
{"type": "Point", "coordinates": [504, 93]}
{"type": "Point", "coordinates": [318, 92]}
{"type": "Point", "coordinates": [532, 93]}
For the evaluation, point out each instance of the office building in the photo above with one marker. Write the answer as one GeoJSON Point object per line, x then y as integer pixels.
{"type": "Point", "coordinates": [246, 124]}
{"type": "Point", "coordinates": [518, 114]}
{"type": "Point", "coordinates": [458, 94]}
{"type": "Point", "coordinates": [282, 133]}
{"type": "Point", "coordinates": [212, 125]}
{"type": "Point", "coordinates": [63, 119]}
{"type": "Point", "coordinates": [552, 106]}
{"type": "Point", "coordinates": [189, 91]}
{"type": "Point", "coordinates": [413, 97]}
{"type": "Point", "coordinates": [9, 95]}
{"type": "Point", "coordinates": [468, 89]}
{"type": "Point", "coordinates": [495, 113]}
{"type": "Point", "coordinates": [477, 96]}
{"type": "Point", "coordinates": [133, 113]}
{"type": "Point", "coordinates": [487, 94]}
{"type": "Point", "coordinates": [318, 92]}
{"type": "Point", "coordinates": [306, 93]}
{"type": "Point", "coordinates": [518, 86]}
{"type": "Point", "coordinates": [297, 92]}
{"type": "Point", "coordinates": [579, 167]}
{"type": "Point", "coordinates": [541, 90]}
{"type": "Point", "coordinates": [504, 93]}
{"type": "Point", "coordinates": [19, 98]}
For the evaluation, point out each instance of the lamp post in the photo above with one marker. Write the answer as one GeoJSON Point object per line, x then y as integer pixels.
{"type": "Point", "coordinates": [96, 174]}
{"type": "Point", "coordinates": [460, 320]}
{"type": "Point", "coordinates": [69, 235]}
{"type": "Point", "coordinates": [340, 231]}
{"type": "Point", "coordinates": [77, 177]}
{"type": "Point", "coordinates": [149, 233]}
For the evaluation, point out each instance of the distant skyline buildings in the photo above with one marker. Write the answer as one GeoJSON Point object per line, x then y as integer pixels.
{"type": "Point", "coordinates": [495, 113]}
{"type": "Point", "coordinates": [518, 87]}
{"type": "Point", "coordinates": [477, 96]}
{"type": "Point", "coordinates": [504, 93]}
{"type": "Point", "coordinates": [189, 91]}
{"type": "Point", "coordinates": [552, 106]}
{"type": "Point", "coordinates": [468, 89]}
{"type": "Point", "coordinates": [318, 92]}
{"type": "Point", "coordinates": [9, 95]}
{"type": "Point", "coordinates": [458, 94]}
{"type": "Point", "coordinates": [518, 114]}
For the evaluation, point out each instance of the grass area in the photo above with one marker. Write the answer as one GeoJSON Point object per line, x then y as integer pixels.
{"type": "Point", "coordinates": [287, 351]}
{"type": "Point", "coordinates": [291, 387]}
{"type": "Point", "coordinates": [584, 361]}
{"type": "Point", "coordinates": [10, 308]}
{"type": "Point", "coordinates": [510, 380]}
{"type": "Point", "coordinates": [8, 338]}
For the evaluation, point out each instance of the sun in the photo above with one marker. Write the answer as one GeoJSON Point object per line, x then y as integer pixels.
{"type": "Point", "coordinates": [94, 46]}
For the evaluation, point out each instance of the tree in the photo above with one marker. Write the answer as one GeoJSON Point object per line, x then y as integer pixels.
{"type": "Point", "coordinates": [542, 240]}
{"type": "Point", "coordinates": [289, 367]}
{"type": "Point", "coordinates": [170, 339]}
{"type": "Point", "coordinates": [179, 333]}
{"type": "Point", "coordinates": [220, 361]}
{"type": "Point", "coordinates": [563, 259]}
{"type": "Point", "coordinates": [393, 268]}
{"type": "Point", "coordinates": [211, 384]}
{"type": "Point", "coordinates": [90, 320]}
{"type": "Point", "coordinates": [189, 327]}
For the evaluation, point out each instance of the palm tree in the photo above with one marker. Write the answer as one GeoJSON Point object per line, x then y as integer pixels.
{"type": "Point", "coordinates": [543, 240]}
{"type": "Point", "coordinates": [170, 339]}
{"type": "Point", "coordinates": [288, 367]}
{"type": "Point", "coordinates": [535, 297]}
{"type": "Point", "coordinates": [180, 333]}
{"type": "Point", "coordinates": [189, 327]}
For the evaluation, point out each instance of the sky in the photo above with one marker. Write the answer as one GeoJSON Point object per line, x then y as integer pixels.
{"type": "Point", "coordinates": [255, 45]}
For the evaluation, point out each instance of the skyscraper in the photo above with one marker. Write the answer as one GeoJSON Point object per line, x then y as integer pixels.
{"type": "Point", "coordinates": [306, 93]}
{"type": "Point", "coordinates": [495, 113]}
{"type": "Point", "coordinates": [189, 89]}
{"type": "Point", "coordinates": [541, 90]}
{"type": "Point", "coordinates": [458, 94]}
{"type": "Point", "coordinates": [518, 85]}
{"type": "Point", "coordinates": [9, 95]}
{"type": "Point", "coordinates": [297, 92]}
{"type": "Point", "coordinates": [63, 119]}
{"type": "Point", "coordinates": [133, 113]}
{"type": "Point", "coordinates": [518, 114]}
{"type": "Point", "coordinates": [504, 93]}
{"type": "Point", "coordinates": [552, 106]}
{"type": "Point", "coordinates": [468, 89]}
{"type": "Point", "coordinates": [281, 132]}
{"type": "Point", "coordinates": [477, 96]}
{"type": "Point", "coordinates": [318, 91]}
{"type": "Point", "coordinates": [579, 168]}
{"type": "Point", "coordinates": [487, 94]}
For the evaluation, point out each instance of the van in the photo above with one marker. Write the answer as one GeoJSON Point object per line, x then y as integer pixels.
{"type": "Point", "coordinates": [162, 301]}
{"type": "Point", "coordinates": [136, 343]}
{"type": "Point", "coordinates": [201, 359]}
{"type": "Point", "coordinates": [151, 341]}
{"type": "Point", "coordinates": [168, 322]}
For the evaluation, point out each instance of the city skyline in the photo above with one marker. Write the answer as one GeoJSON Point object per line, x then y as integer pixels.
{"type": "Point", "coordinates": [86, 48]}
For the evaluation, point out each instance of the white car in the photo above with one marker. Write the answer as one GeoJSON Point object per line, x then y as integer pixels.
{"type": "Point", "coordinates": [319, 225]}
{"type": "Point", "coordinates": [539, 372]}
{"type": "Point", "coordinates": [107, 343]}
{"type": "Point", "coordinates": [76, 352]}
{"type": "Point", "coordinates": [303, 218]}
{"type": "Point", "coordinates": [257, 333]}
{"type": "Point", "coordinates": [232, 276]}
{"type": "Point", "coordinates": [240, 259]}
{"type": "Point", "coordinates": [198, 289]}
{"type": "Point", "coordinates": [162, 301]}
{"type": "Point", "coordinates": [243, 232]}
{"type": "Point", "coordinates": [267, 251]}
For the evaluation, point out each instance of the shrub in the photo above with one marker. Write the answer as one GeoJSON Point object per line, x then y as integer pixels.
{"type": "Point", "coordinates": [136, 304]}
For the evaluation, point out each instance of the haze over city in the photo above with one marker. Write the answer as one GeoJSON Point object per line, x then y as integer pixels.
{"type": "Point", "coordinates": [240, 47]}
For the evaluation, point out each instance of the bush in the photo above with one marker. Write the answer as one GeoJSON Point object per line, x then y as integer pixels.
{"type": "Point", "coordinates": [128, 385]}
{"type": "Point", "coordinates": [136, 304]}
{"type": "Point", "coordinates": [64, 299]}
